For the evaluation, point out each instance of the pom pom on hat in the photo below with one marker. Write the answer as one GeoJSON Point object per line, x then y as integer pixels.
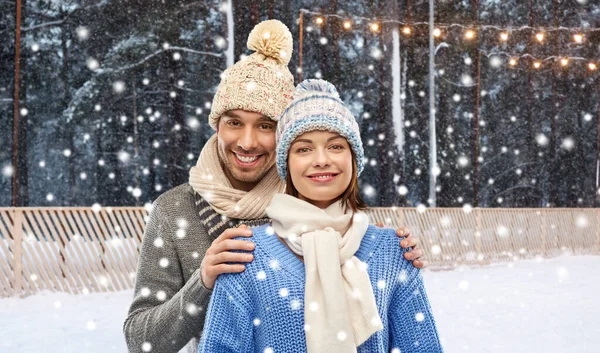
{"type": "Point", "coordinates": [262, 82]}
{"type": "Point", "coordinates": [272, 39]}
{"type": "Point", "coordinates": [315, 86]}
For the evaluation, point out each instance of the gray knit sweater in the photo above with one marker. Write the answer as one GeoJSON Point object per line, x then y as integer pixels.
{"type": "Point", "coordinates": [170, 299]}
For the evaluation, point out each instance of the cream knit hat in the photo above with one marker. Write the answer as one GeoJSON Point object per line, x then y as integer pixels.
{"type": "Point", "coordinates": [261, 82]}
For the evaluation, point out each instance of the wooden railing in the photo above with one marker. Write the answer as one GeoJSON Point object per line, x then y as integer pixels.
{"type": "Point", "coordinates": [77, 250]}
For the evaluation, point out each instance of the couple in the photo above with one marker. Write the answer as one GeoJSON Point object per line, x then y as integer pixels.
{"type": "Point", "coordinates": [191, 236]}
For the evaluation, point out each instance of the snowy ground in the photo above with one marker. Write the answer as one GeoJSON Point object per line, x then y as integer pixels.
{"type": "Point", "coordinates": [529, 306]}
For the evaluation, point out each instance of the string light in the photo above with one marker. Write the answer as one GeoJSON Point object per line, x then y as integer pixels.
{"type": "Point", "coordinates": [375, 24]}
{"type": "Point", "coordinates": [540, 37]}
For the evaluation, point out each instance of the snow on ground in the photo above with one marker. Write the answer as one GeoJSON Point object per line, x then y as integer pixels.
{"type": "Point", "coordinates": [528, 306]}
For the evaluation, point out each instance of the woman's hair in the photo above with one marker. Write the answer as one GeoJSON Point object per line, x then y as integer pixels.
{"type": "Point", "coordinates": [350, 197]}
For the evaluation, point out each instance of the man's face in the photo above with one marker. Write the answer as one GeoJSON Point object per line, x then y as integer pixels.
{"type": "Point", "coordinates": [246, 147]}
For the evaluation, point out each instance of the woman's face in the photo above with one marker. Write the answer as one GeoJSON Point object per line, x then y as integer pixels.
{"type": "Point", "coordinates": [320, 166]}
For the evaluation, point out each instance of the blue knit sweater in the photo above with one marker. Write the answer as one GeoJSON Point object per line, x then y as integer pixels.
{"type": "Point", "coordinates": [262, 308]}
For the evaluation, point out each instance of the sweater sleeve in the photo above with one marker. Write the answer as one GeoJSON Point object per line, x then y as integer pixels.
{"type": "Point", "coordinates": [228, 327]}
{"type": "Point", "coordinates": [413, 327]}
{"type": "Point", "coordinates": [166, 313]}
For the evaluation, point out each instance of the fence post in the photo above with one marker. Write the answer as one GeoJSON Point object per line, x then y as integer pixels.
{"type": "Point", "coordinates": [478, 235]}
{"type": "Point", "coordinates": [598, 230]}
{"type": "Point", "coordinates": [544, 232]}
{"type": "Point", "coordinates": [17, 233]}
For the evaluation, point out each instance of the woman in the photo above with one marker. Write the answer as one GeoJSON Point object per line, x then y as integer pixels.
{"type": "Point", "coordinates": [322, 280]}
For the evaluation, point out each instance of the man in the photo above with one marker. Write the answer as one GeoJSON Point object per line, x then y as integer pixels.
{"type": "Point", "coordinates": [188, 241]}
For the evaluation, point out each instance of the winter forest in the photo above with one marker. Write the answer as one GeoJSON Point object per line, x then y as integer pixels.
{"type": "Point", "coordinates": [114, 95]}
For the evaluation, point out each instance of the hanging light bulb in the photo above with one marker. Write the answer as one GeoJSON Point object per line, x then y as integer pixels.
{"type": "Point", "coordinates": [540, 37]}
{"type": "Point", "coordinates": [470, 34]}
{"type": "Point", "coordinates": [592, 66]}
{"type": "Point", "coordinates": [504, 36]}
{"type": "Point", "coordinates": [374, 27]}
{"type": "Point", "coordinates": [564, 61]}
{"type": "Point", "coordinates": [512, 62]}
{"type": "Point", "coordinates": [537, 64]}
{"type": "Point", "coordinates": [319, 20]}
{"type": "Point", "coordinates": [347, 24]}
{"type": "Point", "coordinates": [578, 38]}
{"type": "Point", "coordinates": [437, 32]}
{"type": "Point", "coordinates": [406, 30]}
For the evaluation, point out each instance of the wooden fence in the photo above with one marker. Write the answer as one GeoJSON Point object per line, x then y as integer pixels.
{"type": "Point", "coordinates": [77, 250]}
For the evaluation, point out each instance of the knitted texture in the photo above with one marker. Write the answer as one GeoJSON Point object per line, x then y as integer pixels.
{"type": "Point", "coordinates": [180, 228]}
{"type": "Point", "coordinates": [261, 82]}
{"type": "Point", "coordinates": [262, 308]}
{"type": "Point", "coordinates": [316, 106]}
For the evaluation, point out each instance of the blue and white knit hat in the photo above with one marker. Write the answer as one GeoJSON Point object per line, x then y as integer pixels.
{"type": "Point", "coordinates": [316, 106]}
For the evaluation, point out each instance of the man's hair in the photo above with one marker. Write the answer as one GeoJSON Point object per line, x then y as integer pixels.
{"type": "Point", "coordinates": [350, 197]}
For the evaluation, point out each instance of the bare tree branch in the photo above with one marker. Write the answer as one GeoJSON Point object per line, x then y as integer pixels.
{"type": "Point", "coordinates": [44, 25]}
{"type": "Point", "coordinates": [124, 68]}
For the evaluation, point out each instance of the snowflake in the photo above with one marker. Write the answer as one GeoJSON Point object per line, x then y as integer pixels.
{"type": "Point", "coordinates": [92, 64]}
{"type": "Point", "coordinates": [419, 317]}
{"type": "Point", "coordinates": [295, 304]}
{"type": "Point", "coordinates": [568, 144]}
{"type": "Point", "coordinates": [161, 295]}
{"type": "Point", "coordinates": [192, 309]}
{"type": "Point", "coordinates": [274, 264]}
{"type": "Point", "coordinates": [503, 231]}
{"type": "Point", "coordinates": [466, 207]}
{"type": "Point", "coordinates": [7, 171]}
{"type": "Point", "coordinates": [581, 221]}
{"type": "Point", "coordinates": [146, 347]}
{"type": "Point", "coordinates": [402, 190]}
{"type": "Point", "coordinates": [403, 276]}
{"type": "Point", "coordinates": [119, 86]}
{"type": "Point", "coordinates": [261, 275]}
{"type": "Point", "coordinates": [91, 325]}
{"type": "Point", "coordinates": [83, 32]}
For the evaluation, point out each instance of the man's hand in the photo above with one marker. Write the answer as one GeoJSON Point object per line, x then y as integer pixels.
{"type": "Point", "coordinates": [410, 241]}
{"type": "Point", "coordinates": [216, 259]}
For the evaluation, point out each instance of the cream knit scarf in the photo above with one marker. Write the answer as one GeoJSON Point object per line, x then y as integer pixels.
{"type": "Point", "coordinates": [208, 179]}
{"type": "Point", "coordinates": [339, 304]}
